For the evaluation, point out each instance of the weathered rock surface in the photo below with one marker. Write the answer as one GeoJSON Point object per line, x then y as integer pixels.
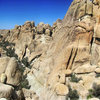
{"type": "Point", "coordinates": [71, 45]}
{"type": "Point", "coordinates": [9, 72]}
{"type": "Point", "coordinates": [62, 89]}
{"type": "Point", "coordinates": [3, 64]}
{"type": "Point", "coordinates": [12, 72]}
{"type": "Point", "coordinates": [97, 70]}
{"type": "Point", "coordinates": [86, 68]}
{"type": "Point", "coordinates": [6, 91]}
{"type": "Point", "coordinates": [30, 95]}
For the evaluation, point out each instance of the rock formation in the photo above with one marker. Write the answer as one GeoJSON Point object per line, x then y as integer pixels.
{"type": "Point", "coordinates": [58, 62]}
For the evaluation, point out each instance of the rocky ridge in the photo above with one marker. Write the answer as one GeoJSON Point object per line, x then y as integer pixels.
{"type": "Point", "coordinates": [59, 62]}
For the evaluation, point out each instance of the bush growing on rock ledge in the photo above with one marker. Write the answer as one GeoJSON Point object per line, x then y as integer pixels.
{"type": "Point", "coordinates": [24, 83]}
{"type": "Point", "coordinates": [97, 75]}
{"type": "Point", "coordinates": [95, 92]}
{"type": "Point", "coordinates": [74, 78]}
{"type": "Point", "coordinates": [8, 48]}
{"type": "Point", "coordinates": [72, 95]}
{"type": "Point", "coordinates": [26, 63]}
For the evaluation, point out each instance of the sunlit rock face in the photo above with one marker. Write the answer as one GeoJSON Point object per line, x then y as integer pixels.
{"type": "Point", "coordinates": [63, 57]}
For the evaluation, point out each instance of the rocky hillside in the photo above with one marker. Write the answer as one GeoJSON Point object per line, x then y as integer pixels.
{"type": "Point", "coordinates": [59, 62]}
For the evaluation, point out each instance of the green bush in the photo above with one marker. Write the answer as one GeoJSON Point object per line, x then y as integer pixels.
{"type": "Point", "coordinates": [90, 94]}
{"type": "Point", "coordinates": [8, 48]}
{"type": "Point", "coordinates": [4, 44]}
{"type": "Point", "coordinates": [74, 78]}
{"type": "Point", "coordinates": [21, 68]}
{"type": "Point", "coordinates": [26, 63]}
{"type": "Point", "coordinates": [97, 75]}
{"type": "Point", "coordinates": [73, 94]}
{"type": "Point", "coordinates": [11, 52]}
{"type": "Point", "coordinates": [24, 82]}
{"type": "Point", "coordinates": [95, 92]}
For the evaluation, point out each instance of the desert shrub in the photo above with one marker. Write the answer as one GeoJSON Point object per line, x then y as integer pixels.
{"type": "Point", "coordinates": [1, 36]}
{"type": "Point", "coordinates": [11, 52]}
{"type": "Point", "coordinates": [97, 75]}
{"type": "Point", "coordinates": [90, 94]}
{"type": "Point", "coordinates": [26, 63]}
{"type": "Point", "coordinates": [74, 78]}
{"type": "Point", "coordinates": [24, 82]}
{"type": "Point", "coordinates": [21, 67]}
{"type": "Point", "coordinates": [4, 44]}
{"type": "Point", "coordinates": [8, 48]}
{"type": "Point", "coordinates": [72, 95]}
{"type": "Point", "coordinates": [95, 92]}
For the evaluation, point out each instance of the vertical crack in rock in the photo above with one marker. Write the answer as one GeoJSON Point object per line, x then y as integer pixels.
{"type": "Point", "coordinates": [69, 58]}
{"type": "Point", "coordinates": [24, 54]}
{"type": "Point", "coordinates": [72, 57]}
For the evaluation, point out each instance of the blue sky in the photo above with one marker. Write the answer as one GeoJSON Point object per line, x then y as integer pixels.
{"type": "Point", "coordinates": [14, 12]}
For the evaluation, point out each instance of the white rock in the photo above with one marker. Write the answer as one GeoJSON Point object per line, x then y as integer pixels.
{"type": "Point", "coordinates": [3, 99]}
{"type": "Point", "coordinates": [12, 72]}
{"type": "Point", "coordinates": [61, 89]}
{"type": "Point", "coordinates": [6, 91]}
{"type": "Point", "coordinates": [3, 78]}
{"type": "Point", "coordinates": [94, 99]}
{"type": "Point", "coordinates": [86, 68]}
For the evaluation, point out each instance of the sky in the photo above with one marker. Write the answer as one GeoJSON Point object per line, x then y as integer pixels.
{"type": "Point", "coordinates": [16, 12]}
